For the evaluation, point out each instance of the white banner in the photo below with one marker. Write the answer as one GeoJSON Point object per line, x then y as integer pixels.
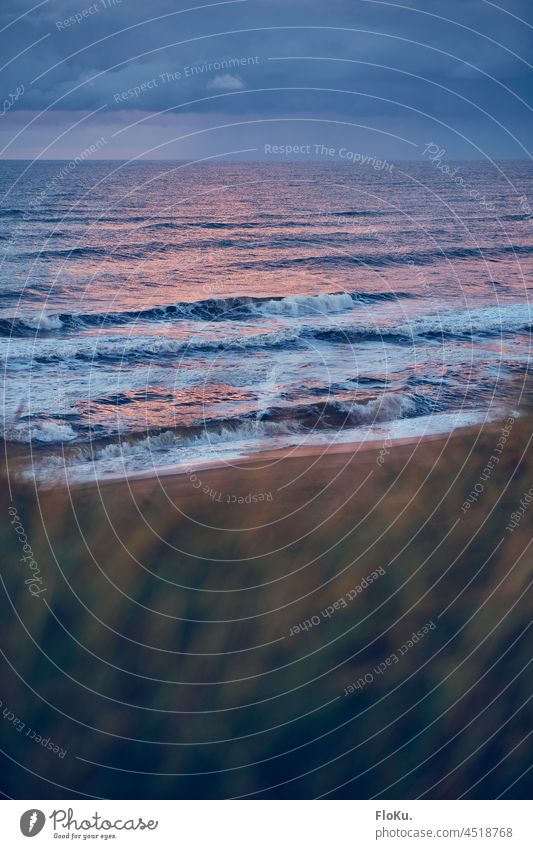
{"type": "Point", "coordinates": [267, 824]}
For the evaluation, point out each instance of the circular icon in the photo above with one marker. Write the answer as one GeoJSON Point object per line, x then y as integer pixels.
{"type": "Point", "coordinates": [32, 822]}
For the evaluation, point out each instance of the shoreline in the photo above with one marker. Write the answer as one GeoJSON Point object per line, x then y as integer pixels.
{"type": "Point", "coordinates": [20, 461]}
{"type": "Point", "coordinates": [304, 461]}
{"type": "Point", "coordinates": [263, 460]}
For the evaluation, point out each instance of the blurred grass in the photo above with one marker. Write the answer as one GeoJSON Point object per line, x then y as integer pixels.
{"type": "Point", "coordinates": [140, 655]}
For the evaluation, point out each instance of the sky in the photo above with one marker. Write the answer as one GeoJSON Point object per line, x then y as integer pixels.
{"type": "Point", "coordinates": [265, 79]}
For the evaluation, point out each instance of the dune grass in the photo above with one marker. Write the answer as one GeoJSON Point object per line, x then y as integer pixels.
{"type": "Point", "coordinates": [250, 631]}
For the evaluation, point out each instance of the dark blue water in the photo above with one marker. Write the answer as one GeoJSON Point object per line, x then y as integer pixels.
{"type": "Point", "coordinates": [158, 314]}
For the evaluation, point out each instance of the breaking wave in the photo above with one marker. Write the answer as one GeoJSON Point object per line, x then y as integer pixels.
{"type": "Point", "coordinates": [258, 425]}
{"type": "Point", "coordinates": [464, 325]}
{"type": "Point", "coordinates": [210, 309]}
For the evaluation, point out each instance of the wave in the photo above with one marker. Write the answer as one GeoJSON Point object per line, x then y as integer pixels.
{"type": "Point", "coordinates": [130, 249]}
{"type": "Point", "coordinates": [480, 322]}
{"type": "Point", "coordinates": [336, 413]}
{"type": "Point", "coordinates": [124, 350]}
{"type": "Point", "coordinates": [358, 335]}
{"type": "Point", "coordinates": [30, 325]}
{"type": "Point", "coordinates": [91, 252]}
{"type": "Point", "coordinates": [385, 260]}
{"type": "Point", "coordinates": [210, 309]}
{"type": "Point", "coordinates": [331, 415]}
{"type": "Point", "coordinates": [11, 213]}
{"type": "Point", "coordinates": [357, 213]}
{"type": "Point", "coordinates": [46, 432]}
{"type": "Point", "coordinates": [483, 321]}
{"type": "Point", "coordinates": [464, 325]}
{"type": "Point", "coordinates": [301, 305]}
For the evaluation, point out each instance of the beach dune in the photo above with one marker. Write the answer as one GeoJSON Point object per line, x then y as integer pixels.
{"type": "Point", "coordinates": [350, 624]}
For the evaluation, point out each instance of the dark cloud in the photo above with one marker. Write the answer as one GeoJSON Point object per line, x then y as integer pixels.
{"type": "Point", "coordinates": [404, 70]}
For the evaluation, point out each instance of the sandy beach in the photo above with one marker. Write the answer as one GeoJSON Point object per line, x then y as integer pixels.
{"type": "Point", "coordinates": [309, 593]}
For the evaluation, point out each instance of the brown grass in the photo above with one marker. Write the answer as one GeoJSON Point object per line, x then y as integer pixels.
{"type": "Point", "coordinates": [161, 646]}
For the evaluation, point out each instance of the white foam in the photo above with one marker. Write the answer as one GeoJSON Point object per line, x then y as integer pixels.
{"type": "Point", "coordinates": [170, 449]}
{"type": "Point", "coordinates": [167, 453]}
{"type": "Point", "coordinates": [42, 321]}
{"type": "Point", "coordinates": [121, 347]}
{"type": "Point", "coordinates": [387, 407]}
{"type": "Point", "coordinates": [491, 319]}
{"type": "Point", "coordinates": [52, 432]}
{"type": "Point", "coordinates": [302, 305]}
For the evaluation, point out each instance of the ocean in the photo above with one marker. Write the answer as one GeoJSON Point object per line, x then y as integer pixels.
{"type": "Point", "coordinates": [165, 315]}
